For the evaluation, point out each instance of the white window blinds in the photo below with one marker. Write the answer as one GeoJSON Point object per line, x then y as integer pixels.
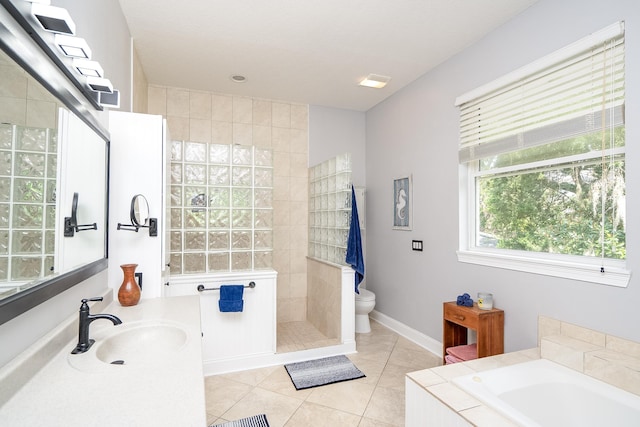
{"type": "Point", "coordinates": [576, 90]}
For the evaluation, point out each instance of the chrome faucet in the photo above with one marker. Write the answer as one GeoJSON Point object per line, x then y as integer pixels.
{"type": "Point", "coordinates": [84, 343]}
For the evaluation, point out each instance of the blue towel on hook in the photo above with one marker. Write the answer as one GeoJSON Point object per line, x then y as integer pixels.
{"type": "Point", "coordinates": [354, 244]}
{"type": "Point", "coordinates": [231, 298]}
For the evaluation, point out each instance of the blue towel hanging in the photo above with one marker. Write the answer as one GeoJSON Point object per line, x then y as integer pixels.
{"type": "Point", "coordinates": [354, 244]}
{"type": "Point", "coordinates": [231, 298]}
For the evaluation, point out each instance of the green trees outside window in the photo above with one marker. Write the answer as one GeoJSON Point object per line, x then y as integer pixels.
{"type": "Point", "coordinates": [561, 198]}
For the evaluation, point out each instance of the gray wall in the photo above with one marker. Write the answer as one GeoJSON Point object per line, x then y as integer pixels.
{"type": "Point", "coordinates": [416, 131]}
{"type": "Point", "coordinates": [334, 131]}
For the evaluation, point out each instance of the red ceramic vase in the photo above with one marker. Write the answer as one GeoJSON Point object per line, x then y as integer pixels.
{"type": "Point", "coordinates": [129, 292]}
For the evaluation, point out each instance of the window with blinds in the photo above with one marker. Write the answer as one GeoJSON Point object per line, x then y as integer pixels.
{"type": "Point", "coordinates": [543, 150]}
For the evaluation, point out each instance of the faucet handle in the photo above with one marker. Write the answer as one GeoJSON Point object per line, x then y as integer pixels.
{"type": "Point", "coordinates": [85, 307]}
{"type": "Point", "coordinates": [86, 300]}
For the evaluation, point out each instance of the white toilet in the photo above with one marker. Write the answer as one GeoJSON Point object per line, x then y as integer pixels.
{"type": "Point", "coordinates": [365, 301]}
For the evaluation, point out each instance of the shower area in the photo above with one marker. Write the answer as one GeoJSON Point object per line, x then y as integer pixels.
{"type": "Point", "coordinates": [244, 201]}
{"type": "Point", "coordinates": [231, 191]}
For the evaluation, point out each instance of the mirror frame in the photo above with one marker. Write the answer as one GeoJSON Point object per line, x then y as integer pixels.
{"type": "Point", "coordinates": [136, 203]}
{"type": "Point", "coordinates": [21, 40]}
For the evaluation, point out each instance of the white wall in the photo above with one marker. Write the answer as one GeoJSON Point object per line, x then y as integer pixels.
{"type": "Point", "coordinates": [334, 131]}
{"type": "Point", "coordinates": [135, 137]}
{"type": "Point", "coordinates": [416, 131]}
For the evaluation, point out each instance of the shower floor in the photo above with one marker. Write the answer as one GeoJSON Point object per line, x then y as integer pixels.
{"type": "Point", "coordinates": [296, 336]}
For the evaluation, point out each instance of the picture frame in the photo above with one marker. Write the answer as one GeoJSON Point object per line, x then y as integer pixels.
{"type": "Point", "coordinates": [403, 203]}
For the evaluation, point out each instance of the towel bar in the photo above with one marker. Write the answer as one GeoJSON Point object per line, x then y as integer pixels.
{"type": "Point", "coordinates": [202, 288]}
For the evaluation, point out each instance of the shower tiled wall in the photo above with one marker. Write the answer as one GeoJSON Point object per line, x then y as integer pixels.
{"type": "Point", "coordinates": [27, 202]}
{"type": "Point", "coordinates": [283, 127]}
{"type": "Point", "coordinates": [28, 164]}
{"type": "Point", "coordinates": [23, 101]}
{"type": "Point", "coordinates": [235, 184]}
{"type": "Point", "coordinates": [330, 209]}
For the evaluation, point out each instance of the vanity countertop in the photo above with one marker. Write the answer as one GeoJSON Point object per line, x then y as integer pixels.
{"type": "Point", "coordinates": [78, 390]}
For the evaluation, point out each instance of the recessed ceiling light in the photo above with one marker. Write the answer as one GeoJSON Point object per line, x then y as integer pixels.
{"type": "Point", "coordinates": [74, 47]}
{"type": "Point", "coordinates": [238, 78]}
{"type": "Point", "coordinates": [375, 81]}
{"type": "Point", "coordinates": [54, 19]}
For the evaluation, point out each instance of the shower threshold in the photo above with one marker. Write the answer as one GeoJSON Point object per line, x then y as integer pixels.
{"type": "Point", "coordinates": [301, 335]}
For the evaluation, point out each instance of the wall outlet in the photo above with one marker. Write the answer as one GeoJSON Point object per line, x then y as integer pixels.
{"type": "Point", "coordinates": [416, 245]}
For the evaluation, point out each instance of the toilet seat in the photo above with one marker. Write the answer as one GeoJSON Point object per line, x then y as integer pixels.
{"type": "Point", "coordinates": [365, 295]}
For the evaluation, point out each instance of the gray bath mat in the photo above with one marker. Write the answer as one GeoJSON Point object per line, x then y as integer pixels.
{"type": "Point", "coordinates": [255, 421]}
{"type": "Point", "coordinates": [314, 373]}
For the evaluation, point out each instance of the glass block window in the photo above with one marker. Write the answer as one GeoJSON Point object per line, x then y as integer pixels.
{"type": "Point", "coordinates": [330, 209]}
{"type": "Point", "coordinates": [28, 167]}
{"type": "Point", "coordinates": [221, 207]}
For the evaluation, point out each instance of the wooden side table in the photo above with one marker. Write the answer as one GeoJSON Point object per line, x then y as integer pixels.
{"type": "Point", "coordinates": [488, 324]}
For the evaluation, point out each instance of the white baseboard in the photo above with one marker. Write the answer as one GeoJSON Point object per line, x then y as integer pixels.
{"type": "Point", "coordinates": [216, 367]}
{"type": "Point", "coordinates": [424, 341]}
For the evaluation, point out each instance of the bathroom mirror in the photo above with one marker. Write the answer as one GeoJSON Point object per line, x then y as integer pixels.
{"type": "Point", "coordinates": [139, 210]}
{"type": "Point", "coordinates": [140, 217]}
{"type": "Point", "coordinates": [51, 147]}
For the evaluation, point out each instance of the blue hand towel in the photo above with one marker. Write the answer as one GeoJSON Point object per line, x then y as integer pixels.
{"type": "Point", "coordinates": [231, 298]}
{"type": "Point", "coordinates": [354, 244]}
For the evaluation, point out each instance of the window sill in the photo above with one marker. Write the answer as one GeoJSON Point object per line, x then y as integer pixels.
{"type": "Point", "coordinates": [574, 268]}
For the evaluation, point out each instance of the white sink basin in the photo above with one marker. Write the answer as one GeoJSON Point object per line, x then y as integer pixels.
{"type": "Point", "coordinates": [133, 345]}
{"type": "Point", "coordinates": [141, 344]}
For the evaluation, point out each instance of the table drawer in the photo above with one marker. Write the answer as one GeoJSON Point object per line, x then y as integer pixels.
{"type": "Point", "coordinates": [461, 315]}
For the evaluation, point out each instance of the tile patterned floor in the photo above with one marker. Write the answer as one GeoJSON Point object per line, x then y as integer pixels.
{"type": "Point", "coordinates": [374, 401]}
{"type": "Point", "coordinates": [295, 336]}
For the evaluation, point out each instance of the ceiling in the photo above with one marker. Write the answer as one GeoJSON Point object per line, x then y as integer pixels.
{"type": "Point", "coordinates": [307, 51]}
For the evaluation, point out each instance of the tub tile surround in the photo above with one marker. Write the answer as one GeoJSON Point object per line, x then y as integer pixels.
{"type": "Point", "coordinates": [607, 358]}
{"type": "Point", "coordinates": [566, 351]}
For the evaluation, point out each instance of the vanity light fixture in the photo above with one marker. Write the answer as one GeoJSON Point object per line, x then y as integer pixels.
{"type": "Point", "coordinates": [375, 81]}
{"type": "Point", "coordinates": [99, 84]}
{"type": "Point", "coordinates": [88, 68]}
{"type": "Point", "coordinates": [73, 47]}
{"type": "Point", "coordinates": [109, 100]}
{"type": "Point", "coordinates": [54, 19]}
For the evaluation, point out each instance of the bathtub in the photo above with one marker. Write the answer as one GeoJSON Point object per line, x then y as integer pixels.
{"type": "Point", "coordinates": [543, 393]}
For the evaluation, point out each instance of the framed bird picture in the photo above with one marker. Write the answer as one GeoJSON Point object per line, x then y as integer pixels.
{"type": "Point", "coordinates": [402, 203]}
